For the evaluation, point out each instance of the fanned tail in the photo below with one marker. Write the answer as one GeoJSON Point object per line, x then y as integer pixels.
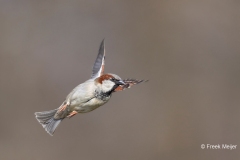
{"type": "Point", "coordinates": [46, 119]}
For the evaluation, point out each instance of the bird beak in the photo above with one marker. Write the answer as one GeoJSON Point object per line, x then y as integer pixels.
{"type": "Point", "coordinates": [120, 82]}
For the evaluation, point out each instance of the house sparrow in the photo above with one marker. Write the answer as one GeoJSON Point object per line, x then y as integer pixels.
{"type": "Point", "coordinates": [87, 96]}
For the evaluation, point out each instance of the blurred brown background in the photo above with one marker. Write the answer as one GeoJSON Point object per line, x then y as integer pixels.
{"type": "Point", "coordinates": [188, 49]}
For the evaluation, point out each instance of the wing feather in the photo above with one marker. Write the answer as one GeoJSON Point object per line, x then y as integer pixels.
{"type": "Point", "coordinates": [128, 84]}
{"type": "Point", "coordinates": [98, 67]}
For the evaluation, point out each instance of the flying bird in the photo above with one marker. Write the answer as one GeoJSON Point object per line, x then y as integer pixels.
{"type": "Point", "coordinates": [87, 96]}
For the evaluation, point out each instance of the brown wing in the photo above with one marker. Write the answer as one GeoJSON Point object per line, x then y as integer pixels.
{"type": "Point", "coordinates": [128, 84]}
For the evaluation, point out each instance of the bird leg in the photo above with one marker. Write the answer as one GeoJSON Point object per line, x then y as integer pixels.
{"type": "Point", "coordinates": [62, 108]}
{"type": "Point", "coordinates": [73, 113]}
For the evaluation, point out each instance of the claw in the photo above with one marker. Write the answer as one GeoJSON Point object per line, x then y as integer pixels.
{"type": "Point", "coordinates": [62, 108]}
{"type": "Point", "coordinates": [73, 113]}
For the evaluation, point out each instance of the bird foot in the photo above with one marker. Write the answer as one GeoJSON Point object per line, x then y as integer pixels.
{"type": "Point", "coordinates": [73, 113]}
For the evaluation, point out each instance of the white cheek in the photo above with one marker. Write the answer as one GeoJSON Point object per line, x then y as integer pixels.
{"type": "Point", "coordinates": [107, 85]}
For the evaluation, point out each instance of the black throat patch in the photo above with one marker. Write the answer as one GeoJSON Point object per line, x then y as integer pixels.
{"type": "Point", "coordinates": [105, 95]}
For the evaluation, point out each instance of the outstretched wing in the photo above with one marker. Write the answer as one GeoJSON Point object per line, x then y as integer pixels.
{"type": "Point", "coordinates": [128, 84]}
{"type": "Point", "coordinates": [98, 67]}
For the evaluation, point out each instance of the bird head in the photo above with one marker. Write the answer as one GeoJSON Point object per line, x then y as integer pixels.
{"type": "Point", "coordinates": [109, 82]}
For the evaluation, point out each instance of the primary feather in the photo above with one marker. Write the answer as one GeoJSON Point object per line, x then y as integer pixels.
{"type": "Point", "coordinates": [98, 67]}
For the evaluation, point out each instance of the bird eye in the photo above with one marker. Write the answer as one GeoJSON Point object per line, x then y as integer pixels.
{"type": "Point", "coordinates": [112, 79]}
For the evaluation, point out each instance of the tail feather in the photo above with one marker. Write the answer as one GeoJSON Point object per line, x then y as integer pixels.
{"type": "Point", "coordinates": [46, 119]}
